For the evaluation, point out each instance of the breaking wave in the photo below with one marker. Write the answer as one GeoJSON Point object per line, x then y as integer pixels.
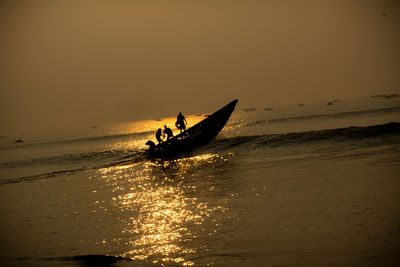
{"type": "Point", "coordinates": [391, 129]}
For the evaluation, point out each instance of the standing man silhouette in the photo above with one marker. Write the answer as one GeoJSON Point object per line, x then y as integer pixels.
{"type": "Point", "coordinates": [181, 122]}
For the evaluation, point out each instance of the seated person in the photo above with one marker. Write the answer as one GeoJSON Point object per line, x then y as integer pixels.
{"type": "Point", "coordinates": [168, 132]}
{"type": "Point", "coordinates": [158, 136]}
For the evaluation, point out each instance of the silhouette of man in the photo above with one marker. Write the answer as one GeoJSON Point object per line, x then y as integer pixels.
{"type": "Point", "coordinates": [168, 132]}
{"type": "Point", "coordinates": [158, 136]}
{"type": "Point", "coordinates": [181, 122]}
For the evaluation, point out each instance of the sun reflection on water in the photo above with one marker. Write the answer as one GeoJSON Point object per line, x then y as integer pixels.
{"type": "Point", "coordinates": [159, 210]}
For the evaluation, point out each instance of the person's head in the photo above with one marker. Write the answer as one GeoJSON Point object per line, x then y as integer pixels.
{"type": "Point", "coordinates": [149, 143]}
{"type": "Point", "coordinates": [165, 126]}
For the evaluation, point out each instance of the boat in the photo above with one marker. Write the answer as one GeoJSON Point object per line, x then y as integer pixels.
{"type": "Point", "coordinates": [198, 135]}
{"type": "Point", "coordinates": [249, 109]}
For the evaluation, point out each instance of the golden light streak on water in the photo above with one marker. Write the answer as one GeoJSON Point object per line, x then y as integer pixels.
{"type": "Point", "coordinates": [159, 215]}
{"type": "Point", "coordinates": [164, 212]}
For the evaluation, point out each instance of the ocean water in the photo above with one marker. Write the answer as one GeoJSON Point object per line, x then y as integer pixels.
{"type": "Point", "coordinates": [317, 185]}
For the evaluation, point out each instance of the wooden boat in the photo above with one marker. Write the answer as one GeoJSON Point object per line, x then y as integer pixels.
{"type": "Point", "coordinates": [197, 135]}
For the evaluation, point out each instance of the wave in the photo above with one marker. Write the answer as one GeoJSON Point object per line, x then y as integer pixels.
{"type": "Point", "coordinates": [385, 133]}
{"type": "Point", "coordinates": [337, 115]}
{"type": "Point", "coordinates": [66, 159]}
{"type": "Point", "coordinates": [79, 260]}
{"type": "Point", "coordinates": [96, 260]}
{"type": "Point", "coordinates": [328, 135]}
{"type": "Point", "coordinates": [127, 160]}
{"type": "Point", "coordinates": [40, 176]}
{"type": "Point", "coordinates": [255, 123]}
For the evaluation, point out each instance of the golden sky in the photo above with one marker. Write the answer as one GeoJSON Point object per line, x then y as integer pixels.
{"type": "Point", "coordinates": [66, 63]}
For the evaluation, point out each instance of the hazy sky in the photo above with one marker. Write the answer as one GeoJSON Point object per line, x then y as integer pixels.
{"type": "Point", "coordinates": [68, 63]}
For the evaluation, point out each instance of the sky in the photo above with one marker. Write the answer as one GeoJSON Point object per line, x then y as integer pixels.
{"type": "Point", "coordinates": [72, 63]}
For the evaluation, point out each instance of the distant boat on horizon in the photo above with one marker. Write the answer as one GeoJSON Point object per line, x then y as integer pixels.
{"type": "Point", "coordinates": [268, 109]}
{"type": "Point", "coordinates": [301, 105]}
{"type": "Point", "coordinates": [249, 109]}
{"type": "Point", "coordinates": [386, 96]}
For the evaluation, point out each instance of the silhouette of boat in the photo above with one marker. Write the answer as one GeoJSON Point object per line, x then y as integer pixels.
{"type": "Point", "coordinates": [268, 109]}
{"type": "Point", "coordinates": [197, 135]}
{"type": "Point", "coordinates": [386, 96]}
{"type": "Point", "coordinates": [249, 109]}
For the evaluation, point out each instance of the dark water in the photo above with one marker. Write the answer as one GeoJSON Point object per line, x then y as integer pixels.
{"type": "Point", "coordinates": [317, 185]}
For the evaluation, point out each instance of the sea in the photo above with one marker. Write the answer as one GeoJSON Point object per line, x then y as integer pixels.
{"type": "Point", "coordinates": [310, 184]}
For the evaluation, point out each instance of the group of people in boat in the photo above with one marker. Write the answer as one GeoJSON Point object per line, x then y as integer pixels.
{"type": "Point", "coordinates": [167, 132]}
